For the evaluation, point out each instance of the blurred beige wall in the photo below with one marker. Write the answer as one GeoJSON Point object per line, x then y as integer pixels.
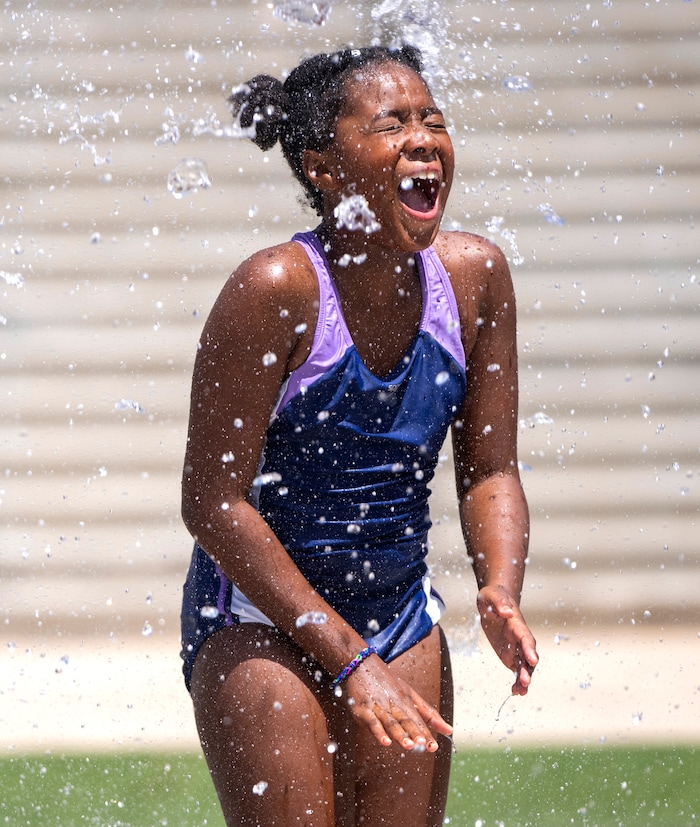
{"type": "Point", "coordinates": [576, 128]}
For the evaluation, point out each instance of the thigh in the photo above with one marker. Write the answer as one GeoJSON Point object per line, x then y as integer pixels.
{"type": "Point", "coordinates": [399, 787]}
{"type": "Point", "coordinates": [267, 729]}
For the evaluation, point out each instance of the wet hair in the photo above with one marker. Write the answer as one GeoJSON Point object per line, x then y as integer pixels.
{"type": "Point", "coordinates": [302, 112]}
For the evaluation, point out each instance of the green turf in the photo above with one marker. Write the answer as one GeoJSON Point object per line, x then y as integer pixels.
{"type": "Point", "coordinates": [598, 787]}
{"type": "Point", "coordinates": [508, 788]}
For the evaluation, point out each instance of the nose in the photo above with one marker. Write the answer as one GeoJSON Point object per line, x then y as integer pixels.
{"type": "Point", "coordinates": [420, 141]}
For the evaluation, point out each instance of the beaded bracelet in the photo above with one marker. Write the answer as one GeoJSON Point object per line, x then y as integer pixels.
{"type": "Point", "coordinates": [354, 663]}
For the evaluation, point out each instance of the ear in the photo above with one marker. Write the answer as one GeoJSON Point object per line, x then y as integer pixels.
{"type": "Point", "coordinates": [319, 171]}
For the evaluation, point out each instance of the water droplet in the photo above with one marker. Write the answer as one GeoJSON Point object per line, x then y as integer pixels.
{"type": "Point", "coordinates": [189, 176]}
{"type": "Point", "coordinates": [64, 661]}
{"type": "Point", "coordinates": [517, 83]}
{"type": "Point", "coordinates": [193, 56]}
{"type": "Point", "coordinates": [314, 618]}
{"type": "Point", "coordinates": [129, 405]}
{"type": "Point", "coordinates": [309, 12]}
{"type": "Point", "coordinates": [538, 418]}
{"type": "Point", "coordinates": [266, 479]}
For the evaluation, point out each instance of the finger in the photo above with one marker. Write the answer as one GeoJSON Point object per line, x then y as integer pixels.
{"type": "Point", "coordinates": [432, 718]}
{"type": "Point", "coordinates": [395, 730]}
{"type": "Point", "coordinates": [387, 728]}
{"type": "Point", "coordinates": [376, 728]}
{"type": "Point", "coordinates": [523, 675]}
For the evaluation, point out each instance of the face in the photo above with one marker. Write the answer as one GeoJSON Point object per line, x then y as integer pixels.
{"type": "Point", "coordinates": [392, 146]}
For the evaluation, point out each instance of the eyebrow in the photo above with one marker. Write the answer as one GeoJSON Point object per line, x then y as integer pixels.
{"type": "Point", "coordinates": [397, 113]}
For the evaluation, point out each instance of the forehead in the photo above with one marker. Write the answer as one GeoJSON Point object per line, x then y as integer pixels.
{"type": "Point", "coordinates": [385, 86]}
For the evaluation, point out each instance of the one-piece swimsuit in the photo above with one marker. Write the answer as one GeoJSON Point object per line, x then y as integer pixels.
{"type": "Point", "coordinates": [345, 473]}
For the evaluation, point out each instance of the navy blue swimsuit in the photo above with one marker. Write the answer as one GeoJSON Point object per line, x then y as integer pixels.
{"type": "Point", "coordinates": [345, 472]}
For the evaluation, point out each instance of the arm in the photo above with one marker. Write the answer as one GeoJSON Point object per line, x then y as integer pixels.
{"type": "Point", "coordinates": [235, 385]}
{"type": "Point", "coordinates": [493, 509]}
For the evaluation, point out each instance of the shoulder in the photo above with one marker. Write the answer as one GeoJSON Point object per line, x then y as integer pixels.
{"type": "Point", "coordinates": [274, 273]}
{"type": "Point", "coordinates": [270, 299]}
{"type": "Point", "coordinates": [273, 281]}
{"type": "Point", "coordinates": [467, 254]}
{"type": "Point", "coordinates": [477, 267]}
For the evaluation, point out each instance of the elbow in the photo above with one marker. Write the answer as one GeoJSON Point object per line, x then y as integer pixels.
{"type": "Point", "coordinates": [190, 514]}
{"type": "Point", "coordinates": [191, 509]}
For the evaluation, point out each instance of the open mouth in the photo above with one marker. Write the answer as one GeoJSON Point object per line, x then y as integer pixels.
{"type": "Point", "coordinates": [419, 194]}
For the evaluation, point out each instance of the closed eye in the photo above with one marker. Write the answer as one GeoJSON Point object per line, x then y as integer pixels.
{"type": "Point", "coordinates": [394, 126]}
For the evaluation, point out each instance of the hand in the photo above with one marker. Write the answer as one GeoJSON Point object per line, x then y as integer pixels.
{"type": "Point", "coordinates": [391, 709]}
{"type": "Point", "coordinates": [508, 634]}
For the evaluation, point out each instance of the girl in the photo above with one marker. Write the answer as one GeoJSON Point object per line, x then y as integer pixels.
{"type": "Point", "coordinates": [328, 374]}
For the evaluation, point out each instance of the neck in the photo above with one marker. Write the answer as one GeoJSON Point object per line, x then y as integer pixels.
{"type": "Point", "coordinates": [354, 259]}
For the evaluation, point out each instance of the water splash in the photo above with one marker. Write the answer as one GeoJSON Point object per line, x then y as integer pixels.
{"type": "Point", "coordinates": [550, 215]}
{"type": "Point", "coordinates": [308, 12]}
{"type": "Point", "coordinates": [12, 279]}
{"type": "Point", "coordinates": [354, 213]}
{"type": "Point", "coordinates": [421, 23]}
{"type": "Point", "coordinates": [170, 129]}
{"type": "Point", "coordinates": [210, 124]}
{"type": "Point", "coordinates": [495, 227]}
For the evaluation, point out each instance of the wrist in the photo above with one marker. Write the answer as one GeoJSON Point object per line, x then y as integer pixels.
{"type": "Point", "coordinates": [353, 664]}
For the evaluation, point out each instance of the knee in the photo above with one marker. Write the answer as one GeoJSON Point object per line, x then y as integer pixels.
{"type": "Point", "coordinates": [259, 696]}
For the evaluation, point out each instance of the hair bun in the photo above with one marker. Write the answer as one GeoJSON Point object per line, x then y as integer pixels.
{"type": "Point", "coordinates": [262, 103]}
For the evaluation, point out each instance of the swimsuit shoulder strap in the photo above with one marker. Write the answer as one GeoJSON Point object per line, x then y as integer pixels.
{"type": "Point", "coordinates": [331, 337]}
{"type": "Point", "coordinates": [440, 313]}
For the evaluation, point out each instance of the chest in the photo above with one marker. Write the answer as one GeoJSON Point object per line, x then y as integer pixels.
{"type": "Point", "coordinates": [383, 327]}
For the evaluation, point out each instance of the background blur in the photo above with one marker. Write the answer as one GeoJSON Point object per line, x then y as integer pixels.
{"type": "Point", "coordinates": [576, 127]}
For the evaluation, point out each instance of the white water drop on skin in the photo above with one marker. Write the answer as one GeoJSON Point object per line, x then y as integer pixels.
{"type": "Point", "coordinates": [313, 618]}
